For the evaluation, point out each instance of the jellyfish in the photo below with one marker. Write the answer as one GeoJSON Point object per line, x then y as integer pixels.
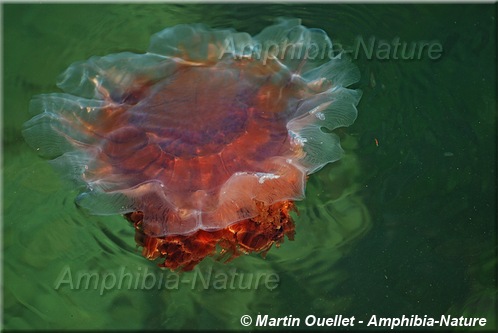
{"type": "Point", "coordinates": [205, 141]}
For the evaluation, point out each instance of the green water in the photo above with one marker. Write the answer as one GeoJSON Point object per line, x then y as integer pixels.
{"type": "Point", "coordinates": [405, 224]}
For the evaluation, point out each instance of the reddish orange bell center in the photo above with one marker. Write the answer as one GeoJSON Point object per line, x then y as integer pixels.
{"type": "Point", "coordinates": [197, 128]}
{"type": "Point", "coordinates": [193, 131]}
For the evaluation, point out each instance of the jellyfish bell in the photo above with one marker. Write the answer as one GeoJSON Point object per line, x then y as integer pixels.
{"type": "Point", "coordinates": [203, 141]}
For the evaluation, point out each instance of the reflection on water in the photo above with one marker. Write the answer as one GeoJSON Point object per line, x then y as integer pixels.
{"type": "Point", "coordinates": [424, 245]}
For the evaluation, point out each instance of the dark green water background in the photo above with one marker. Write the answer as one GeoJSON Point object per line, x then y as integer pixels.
{"type": "Point", "coordinates": [406, 227]}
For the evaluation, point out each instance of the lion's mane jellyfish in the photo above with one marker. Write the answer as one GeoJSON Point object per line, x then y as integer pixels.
{"type": "Point", "coordinates": [204, 141]}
